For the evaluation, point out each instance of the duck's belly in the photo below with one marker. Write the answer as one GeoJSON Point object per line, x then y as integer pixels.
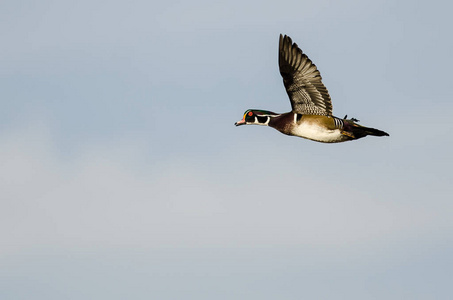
{"type": "Point", "coordinates": [317, 133]}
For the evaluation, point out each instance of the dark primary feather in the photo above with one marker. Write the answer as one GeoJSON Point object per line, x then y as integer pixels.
{"type": "Point", "coordinates": [302, 80]}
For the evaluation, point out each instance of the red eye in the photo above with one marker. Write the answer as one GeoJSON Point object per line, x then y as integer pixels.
{"type": "Point", "coordinates": [250, 114]}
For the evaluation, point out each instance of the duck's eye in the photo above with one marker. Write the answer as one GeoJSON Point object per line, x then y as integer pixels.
{"type": "Point", "coordinates": [249, 117]}
{"type": "Point", "coordinates": [250, 113]}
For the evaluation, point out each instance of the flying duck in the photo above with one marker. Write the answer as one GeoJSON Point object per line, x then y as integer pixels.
{"type": "Point", "coordinates": [311, 115]}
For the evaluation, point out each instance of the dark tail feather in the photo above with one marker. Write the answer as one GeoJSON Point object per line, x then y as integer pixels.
{"type": "Point", "coordinates": [376, 132]}
{"type": "Point", "coordinates": [362, 131]}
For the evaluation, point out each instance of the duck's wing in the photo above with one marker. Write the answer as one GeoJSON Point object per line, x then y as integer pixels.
{"type": "Point", "coordinates": [302, 80]}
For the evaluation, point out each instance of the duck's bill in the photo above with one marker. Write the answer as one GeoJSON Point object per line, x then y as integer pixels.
{"type": "Point", "coordinates": [241, 122]}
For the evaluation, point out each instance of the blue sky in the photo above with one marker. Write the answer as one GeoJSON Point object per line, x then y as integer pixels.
{"type": "Point", "coordinates": [123, 175]}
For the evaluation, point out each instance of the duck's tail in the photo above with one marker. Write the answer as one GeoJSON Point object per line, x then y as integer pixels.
{"type": "Point", "coordinates": [356, 131]}
{"type": "Point", "coordinates": [361, 131]}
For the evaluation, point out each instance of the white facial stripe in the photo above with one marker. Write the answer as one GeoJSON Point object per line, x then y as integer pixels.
{"type": "Point", "coordinates": [256, 121]}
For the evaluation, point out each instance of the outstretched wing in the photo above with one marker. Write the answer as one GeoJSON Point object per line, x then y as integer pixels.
{"type": "Point", "coordinates": [302, 80]}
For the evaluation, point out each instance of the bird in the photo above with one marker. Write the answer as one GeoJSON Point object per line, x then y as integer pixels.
{"type": "Point", "coordinates": [311, 115]}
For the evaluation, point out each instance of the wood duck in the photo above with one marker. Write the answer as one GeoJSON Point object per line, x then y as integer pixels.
{"type": "Point", "coordinates": [311, 116]}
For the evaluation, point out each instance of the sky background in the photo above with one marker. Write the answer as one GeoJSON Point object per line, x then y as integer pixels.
{"type": "Point", "coordinates": [122, 175]}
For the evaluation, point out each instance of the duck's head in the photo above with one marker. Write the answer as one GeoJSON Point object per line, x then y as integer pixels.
{"type": "Point", "coordinates": [256, 117]}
